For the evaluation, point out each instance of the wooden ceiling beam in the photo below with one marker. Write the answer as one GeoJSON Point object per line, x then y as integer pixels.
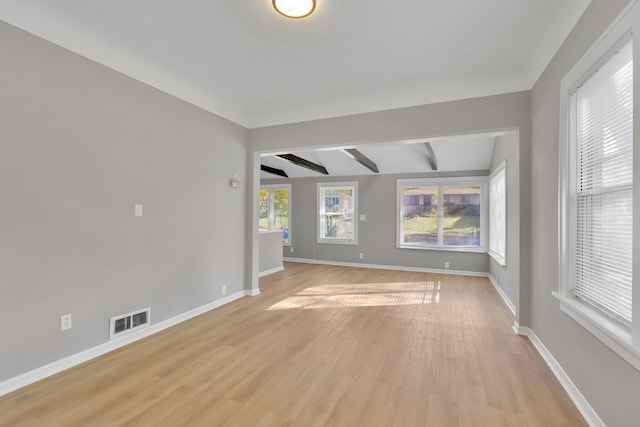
{"type": "Point", "coordinates": [431, 157]}
{"type": "Point", "coordinates": [274, 171]}
{"type": "Point", "coordinates": [299, 161]}
{"type": "Point", "coordinates": [362, 159]}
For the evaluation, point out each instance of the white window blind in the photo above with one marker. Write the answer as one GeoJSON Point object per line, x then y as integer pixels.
{"type": "Point", "coordinates": [601, 186]}
{"type": "Point", "coordinates": [498, 216]}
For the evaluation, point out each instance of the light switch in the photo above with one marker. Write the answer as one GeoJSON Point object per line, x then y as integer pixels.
{"type": "Point", "coordinates": [363, 217]}
{"type": "Point", "coordinates": [138, 210]}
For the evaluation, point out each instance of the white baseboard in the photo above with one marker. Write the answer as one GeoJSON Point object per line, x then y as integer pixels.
{"type": "Point", "coordinates": [43, 372]}
{"type": "Point", "coordinates": [521, 330]}
{"type": "Point", "coordinates": [271, 271]}
{"type": "Point", "coordinates": [388, 267]}
{"type": "Point", "coordinates": [503, 295]}
{"type": "Point", "coordinates": [516, 328]}
{"type": "Point", "coordinates": [252, 292]}
{"type": "Point", "coordinates": [589, 414]}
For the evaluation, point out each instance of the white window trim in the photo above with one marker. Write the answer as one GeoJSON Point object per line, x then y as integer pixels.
{"type": "Point", "coordinates": [622, 340]}
{"type": "Point", "coordinates": [270, 188]}
{"type": "Point", "coordinates": [499, 258]}
{"type": "Point", "coordinates": [320, 212]}
{"type": "Point", "coordinates": [417, 182]}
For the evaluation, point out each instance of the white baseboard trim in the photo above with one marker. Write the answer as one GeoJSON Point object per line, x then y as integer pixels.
{"type": "Point", "coordinates": [251, 292]}
{"type": "Point", "coordinates": [503, 295]}
{"type": "Point", "coordinates": [589, 414]}
{"type": "Point", "coordinates": [43, 372]}
{"type": "Point", "coordinates": [516, 328]}
{"type": "Point", "coordinates": [271, 271]}
{"type": "Point", "coordinates": [388, 267]}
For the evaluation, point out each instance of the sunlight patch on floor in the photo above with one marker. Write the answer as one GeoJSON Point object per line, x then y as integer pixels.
{"type": "Point", "coordinates": [362, 295]}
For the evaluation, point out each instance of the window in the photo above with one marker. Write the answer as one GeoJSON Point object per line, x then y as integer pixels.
{"type": "Point", "coordinates": [441, 214]}
{"type": "Point", "coordinates": [597, 192]}
{"type": "Point", "coordinates": [498, 214]}
{"type": "Point", "coordinates": [274, 210]}
{"type": "Point", "coordinates": [337, 213]}
{"type": "Point", "coordinates": [601, 186]}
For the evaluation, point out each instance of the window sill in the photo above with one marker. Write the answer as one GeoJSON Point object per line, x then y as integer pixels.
{"type": "Point", "coordinates": [498, 258]}
{"type": "Point", "coordinates": [613, 335]}
{"type": "Point", "coordinates": [338, 242]}
{"type": "Point", "coordinates": [445, 248]}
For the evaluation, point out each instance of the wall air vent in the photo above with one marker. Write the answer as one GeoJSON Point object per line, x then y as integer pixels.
{"type": "Point", "coordinates": [126, 323]}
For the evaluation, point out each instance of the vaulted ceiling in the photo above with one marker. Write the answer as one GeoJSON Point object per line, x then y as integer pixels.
{"type": "Point", "coordinates": [243, 61]}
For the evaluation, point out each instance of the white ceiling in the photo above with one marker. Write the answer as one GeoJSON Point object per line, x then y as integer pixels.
{"type": "Point", "coordinates": [460, 153]}
{"type": "Point", "coordinates": [243, 61]}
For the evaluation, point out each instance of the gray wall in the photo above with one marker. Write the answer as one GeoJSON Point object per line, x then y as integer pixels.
{"type": "Point", "coordinates": [376, 235]}
{"type": "Point", "coordinates": [506, 148]}
{"type": "Point", "coordinates": [270, 250]}
{"type": "Point", "coordinates": [79, 145]}
{"type": "Point", "coordinates": [610, 384]}
{"type": "Point", "coordinates": [501, 112]}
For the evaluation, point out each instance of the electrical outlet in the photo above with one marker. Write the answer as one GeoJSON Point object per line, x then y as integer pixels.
{"type": "Point", "coordinates": [361, 255]}
{"type": "Point", "coordinates": [65, 322]}
{"type": "Point", "coordinates": [291, 249]}
{"type": "Point", "coordinates": [138, 210]}
{"type": "Point", "coordinates": [224, 289]}
{"type": "Point", "coordinates": [446, 264]}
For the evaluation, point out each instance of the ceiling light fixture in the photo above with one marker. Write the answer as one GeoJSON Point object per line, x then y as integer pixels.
{"type": "Point", "coordinates": [294, 8]}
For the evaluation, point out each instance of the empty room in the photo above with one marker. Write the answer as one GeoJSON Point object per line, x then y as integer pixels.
{"type": "Point", "coordinates": [319, 212]}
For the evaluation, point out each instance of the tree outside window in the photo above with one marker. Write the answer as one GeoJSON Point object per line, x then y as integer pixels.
{"type": "Point", "coordinates": [274, 210]}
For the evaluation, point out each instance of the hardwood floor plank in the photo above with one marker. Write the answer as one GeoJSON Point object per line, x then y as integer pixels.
{"type": "Point", "coordinates": [322, 345]}
{"type": "Point", "coordinates": [473, 410]}
{"type": "Point", "coordinates": [381, 405]}
{"type": "Point", "coordinates": [441, 412]}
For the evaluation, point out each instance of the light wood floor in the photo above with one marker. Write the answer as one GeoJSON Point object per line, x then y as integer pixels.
{"type": "Point", "coordinates": [320, 346]}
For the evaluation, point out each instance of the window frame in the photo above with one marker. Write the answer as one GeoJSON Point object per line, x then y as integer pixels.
{"type": "Point", "coordinates": [270, 217]}
{"type": "Point", "coordinates": [623, 340]}
{"type": "Point", "coordinates": [320, 212]}
{"type": "Point", "coordinates": [498, 257]}
{"type": "Point", "coordinates": [442, 182]}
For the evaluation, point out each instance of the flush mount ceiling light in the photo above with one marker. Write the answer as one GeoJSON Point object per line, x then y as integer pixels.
{"type": "Point", "coordinates": [294, 8]}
